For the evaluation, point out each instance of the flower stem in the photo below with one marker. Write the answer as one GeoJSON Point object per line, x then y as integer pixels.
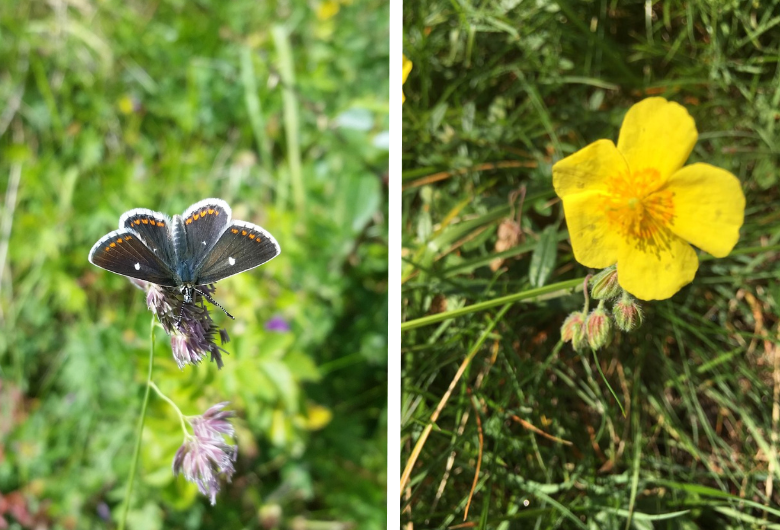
{"type": "Point", "coordinates": [137, 450]}
{"type": "Point", "coordinates": [585, 294]}
{"type": "Point", "coordinates": [553, 290]}
{"type": "Point", "coordinates": [172, 404]}
{"type": "Point", "coordinates": [604, 377]}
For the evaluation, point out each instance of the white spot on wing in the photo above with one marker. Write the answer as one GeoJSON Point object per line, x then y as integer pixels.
{"type": "Point", "coordinates": [138, 266]}
{"type": "Point", "coordinates": [231, 261]}
{"type": "Point", "coordinates": [204, 243]}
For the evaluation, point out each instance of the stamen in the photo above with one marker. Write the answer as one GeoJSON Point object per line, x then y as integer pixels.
{"type": "Point", "coordinates": [637, 207]}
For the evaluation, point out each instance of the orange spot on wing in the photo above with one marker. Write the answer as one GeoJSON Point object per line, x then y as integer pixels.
{"type": "Point", "coordinates": [119, 240]}
{"type": "Point", "coordinates": [160, 223]}
{"type": "Point", "coordinates": [195, 217]}
{"type": "Point", "coordinates": [145, 221]}
{"type": "Point", "coordinates": [107, 249]}
{"type": "Point", "coordinates": [128, 238]}
{"type": "Point", "coordinates": [188, 221]}
{"type": "Point", "coordinates": [216, 212]}
{"type": "Point", "coordinates": [243, 232]}
{"type": "Point", "coordinates": [211, 211]}
{"type": "Point", "coordinates": [203, 213]}
{"type": "Point", "coordinates": [112, 245]}
{"type": "Point", "coordinates": [234, 231]}
{"type": "Point", "coordinates": [138, 221]}
{"type": "Point", "coordinates": [251, 236]}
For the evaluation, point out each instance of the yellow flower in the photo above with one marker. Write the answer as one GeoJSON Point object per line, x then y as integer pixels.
{"type": "Point", "coordinates": [328, 9]}
{"type": "Point", "coordinates": [637, 206]}
{"type": "Point", "coordinates": [405, 74]}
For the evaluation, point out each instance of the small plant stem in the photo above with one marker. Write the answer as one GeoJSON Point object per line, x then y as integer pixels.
{"type": "Point", "coordinates": [585, 294]}
{"type": "Point", "coordinates": [172, 404]}
{"type": "Point", "coordinates": [137, 450]}
{"type": "Point", "coordinates": [554, 289]}
{"type": "Point", "coordinates": [604, 377]}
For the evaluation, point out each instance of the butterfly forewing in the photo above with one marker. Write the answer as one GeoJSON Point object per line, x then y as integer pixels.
{"type": "Point", "coordinates": [123, 252]}
{"type": "Point", "coordinates": [154, 229]}
{"type": "Point", "coordinates": [204, 222]}
{"type": "Point", "coordinates": [241, 247]}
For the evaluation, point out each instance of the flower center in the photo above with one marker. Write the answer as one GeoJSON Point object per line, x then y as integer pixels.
{"type": "Point", "coordinates": [637, 207]}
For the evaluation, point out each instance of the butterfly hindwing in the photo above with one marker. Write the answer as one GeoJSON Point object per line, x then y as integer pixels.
{"type": "Point", "coordinates": [123, 252]}
{"type": "Point", "coordinates": [241, 247]}
{"type": "Point", "coordinates": [154, 229]}
{"type": "Point", "coordinates": [204, 223]}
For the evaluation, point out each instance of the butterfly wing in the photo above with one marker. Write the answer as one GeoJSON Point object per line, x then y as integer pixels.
{"type": "Point", "coordinates": [154, 230]}
{"type": "Point", "coordinates": [204, 223]}
{"type": "Point", "coordinates": [241, 247]}
{"type": "Point", "coordinates": [123, 252]}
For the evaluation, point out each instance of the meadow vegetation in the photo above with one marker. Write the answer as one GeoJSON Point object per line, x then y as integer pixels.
{"type": "Point", "coordinates": [279, 108]}
{"type": "Point", "coordinates": [526, 432]}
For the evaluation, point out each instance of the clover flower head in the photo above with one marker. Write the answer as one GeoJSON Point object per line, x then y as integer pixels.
{"type": "Point", "coordinates": [636, 206]}
{"type": "Point", "coordinates": [195, 335]}
{"type": "Point", "coordinates": [205, 456]}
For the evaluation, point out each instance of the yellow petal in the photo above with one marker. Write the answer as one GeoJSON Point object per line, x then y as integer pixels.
{"type": "Point", "coordinates": [593, 242]}
{"type": "Point", "coordinates": [657, 272]}
{"type": "Point", "coordinates": [709, 207]}
{"type": "Point", "coordinates": [657, 134]}
{"type": "Point", "coordinates": [588, 169]}
{"type": "Point", "coordinates": [407, 68]}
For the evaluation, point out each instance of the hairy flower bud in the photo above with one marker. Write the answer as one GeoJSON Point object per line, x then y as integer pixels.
{"type": "Point", "coordinates": [598, 327]}
{"type": "Point", "coordinates": [604, 285]}
{"type": "Point", "coordinates": [627, 312]}
{"type": "Point", "coordinates": [573, 330]}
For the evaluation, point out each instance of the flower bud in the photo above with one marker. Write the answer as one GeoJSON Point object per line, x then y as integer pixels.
{"type": "Point", "coordinates": [627, 312]}
{"type": "Point", "coordinates": [573, 330]}
{"type": "Point", "coordinates": [598, 327]}
{"type": "Point", "coordinates": [605, 285]}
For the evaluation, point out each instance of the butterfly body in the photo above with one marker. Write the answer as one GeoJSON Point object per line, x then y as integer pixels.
{"type": "Point", "coordinates": [199, 247]}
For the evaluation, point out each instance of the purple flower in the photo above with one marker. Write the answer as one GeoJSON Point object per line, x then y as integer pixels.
{"type": "Point", "coordinates": [195, 334]}
{"type": "Point", "coordinates": [277, 324]}
{"type": "Point", "coordinates": [204, 456]}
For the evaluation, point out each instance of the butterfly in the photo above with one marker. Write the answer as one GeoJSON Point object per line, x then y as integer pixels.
{"type": "Point", "coordinates": [199, 247]}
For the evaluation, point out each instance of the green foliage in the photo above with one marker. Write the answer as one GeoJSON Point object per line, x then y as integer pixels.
{"type": "Point", "coordinates": [278, 108]}
{"type": "Point", "coordinates": [500, 91]}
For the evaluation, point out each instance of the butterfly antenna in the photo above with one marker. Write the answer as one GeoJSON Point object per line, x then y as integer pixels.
{"type": "Point", "coordinates": [210, 299]}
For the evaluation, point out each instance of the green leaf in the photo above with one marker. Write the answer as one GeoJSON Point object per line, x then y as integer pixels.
{"type": "Point", "coordinates": [544, 256]}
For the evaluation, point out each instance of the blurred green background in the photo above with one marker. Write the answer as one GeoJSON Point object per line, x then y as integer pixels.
{"type": "Point", "coordinates": [500, 91]}
{"type": "Point", "coordinates": [279, 108]}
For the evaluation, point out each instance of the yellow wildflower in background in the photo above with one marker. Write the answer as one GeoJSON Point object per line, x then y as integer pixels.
{"type": "Point", "coordinates": [635, 204]}
{"type": "Point", "coordinates": [405, 74]}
